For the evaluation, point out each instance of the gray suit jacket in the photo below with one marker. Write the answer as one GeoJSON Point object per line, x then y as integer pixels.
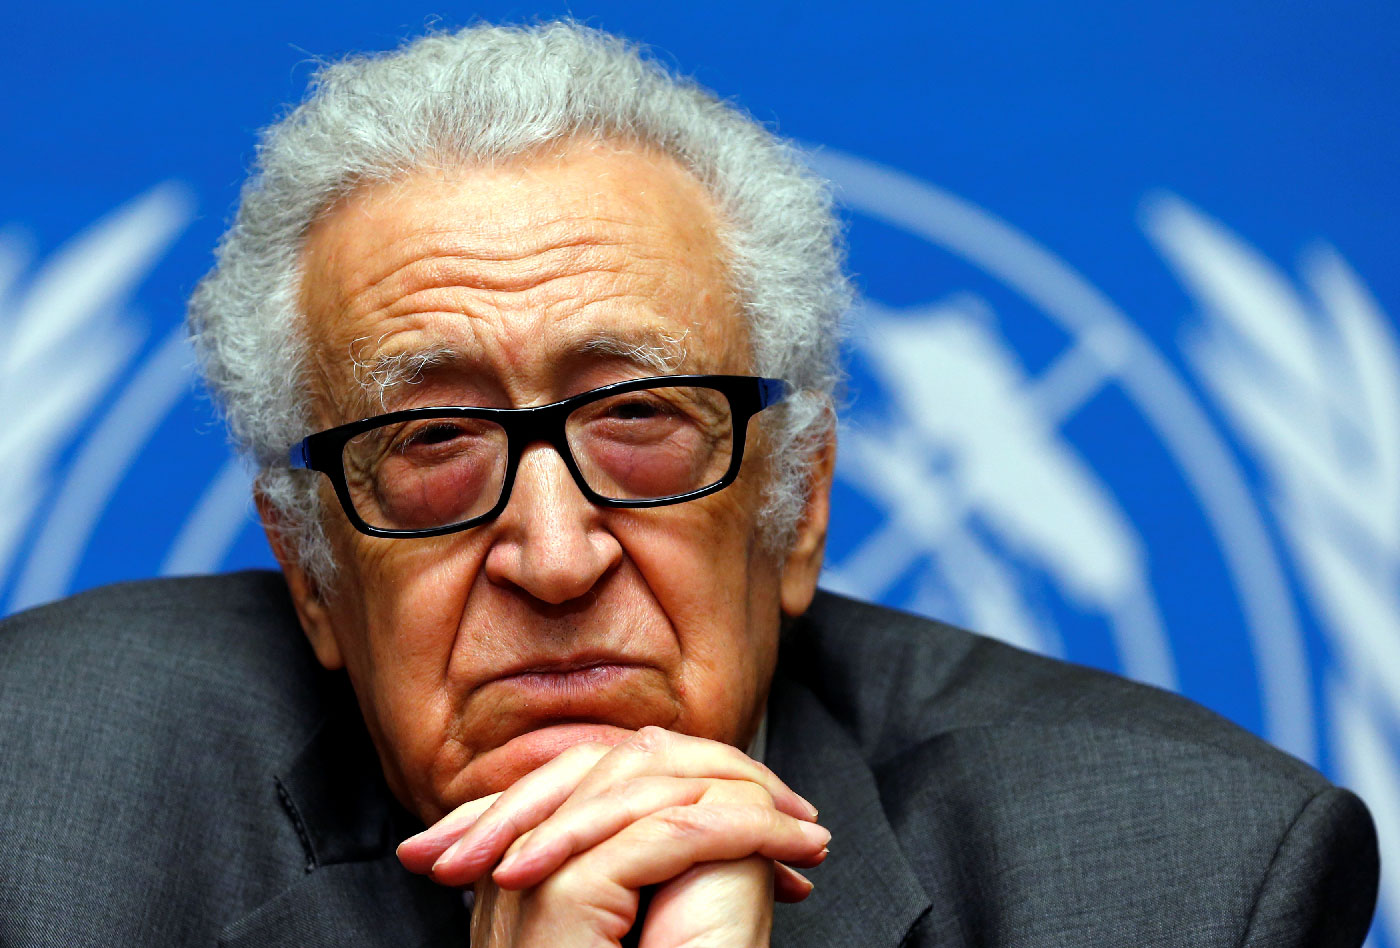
{"type": "Point", "coordinates": [175, 769]}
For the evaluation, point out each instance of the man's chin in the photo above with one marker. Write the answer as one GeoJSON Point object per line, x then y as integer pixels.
{"type": "Point", "coordinates": [500, 767]}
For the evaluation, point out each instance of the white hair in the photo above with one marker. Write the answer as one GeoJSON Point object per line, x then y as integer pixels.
{"type": "Point", "coordinates": [488, 94]}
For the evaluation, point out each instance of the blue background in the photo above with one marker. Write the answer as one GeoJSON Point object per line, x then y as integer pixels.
{"type": "Point", "coordinates": [1277, 119]}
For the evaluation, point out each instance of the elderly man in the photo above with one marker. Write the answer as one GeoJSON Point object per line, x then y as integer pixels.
{"type": "Point", "coordinates": [533, 346]}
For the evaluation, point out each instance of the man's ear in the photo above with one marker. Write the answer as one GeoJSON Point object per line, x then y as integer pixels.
{"type": "Point", "coordinates": [804, 561]}
{"type": "Point", "coordinates": [307, 597]}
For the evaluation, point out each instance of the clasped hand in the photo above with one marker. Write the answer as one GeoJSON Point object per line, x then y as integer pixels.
{"type": "Point", "coordinates": [560, 857]}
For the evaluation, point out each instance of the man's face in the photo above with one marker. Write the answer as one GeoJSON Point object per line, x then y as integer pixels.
{"type": "Point", "coordinates": [480, 655]}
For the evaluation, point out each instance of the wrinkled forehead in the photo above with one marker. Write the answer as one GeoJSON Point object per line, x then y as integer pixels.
{"type": "Point", "coordinates": [527, 273]}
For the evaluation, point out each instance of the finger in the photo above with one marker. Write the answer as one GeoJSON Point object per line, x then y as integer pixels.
{"type": "Point", "coordinates": [418, 853]}
{"type": "Point", "coordinates": [661, 846]}
{"type": "Point", "coordinates": [789, 885]}
{"type": "Point", "coordinates": [519, 809]}
{"type": "Point", "coordinates": [713, 903]}
{"type": "Point", "coordinates": [809, 862]}
{"type": "Point", "coordinates": [658, 752]}
{"type": "Point", "coordinates": [572, 830]}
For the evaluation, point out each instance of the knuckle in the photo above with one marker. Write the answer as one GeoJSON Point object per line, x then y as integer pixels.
{"type": "Point", "coordinates": [626, 792]}
{"type": "Point", "coordinates": [688, 822]}
{"type": "Point", "coordinates": [763, 817]}
{"type": "Point", "coordinates": [761, 822]}
{"type": "Point", "coordinates": [651, 739]}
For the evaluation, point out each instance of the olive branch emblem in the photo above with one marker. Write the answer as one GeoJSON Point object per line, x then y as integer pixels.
{"type": "Point", "coordinates": [1307, 373]}
{"type": "Point", "coordinates": [67, 333]}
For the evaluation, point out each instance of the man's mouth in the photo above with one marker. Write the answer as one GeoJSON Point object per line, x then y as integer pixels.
{"type": "Point", "coordinates": [542, 705]}
{"type": "Point", "coordinates": [573, 679]}
{"type": "Point", "coordinates": [568, 665]}
{"type": "Point", "coordinates": [595, 687]}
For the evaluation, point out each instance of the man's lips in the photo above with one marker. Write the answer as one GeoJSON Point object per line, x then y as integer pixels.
{"type": "Point", "coordinates": [570, 681]}
{"type": "Point", "coordinates": [590, 679]}
{"type": "Point", "coordinates": [585, 663]}
{"type": "Point", "coordinates": [564, 666]}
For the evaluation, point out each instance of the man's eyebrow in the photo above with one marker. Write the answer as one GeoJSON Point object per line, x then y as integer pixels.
{"type": "Point", "coordinates": [379, 376]}
{"type": "Point", "coordinates": [661, 352]}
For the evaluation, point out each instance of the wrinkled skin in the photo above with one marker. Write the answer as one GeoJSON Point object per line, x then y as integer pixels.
{"type": "Point", "coordinates": [542, 277]}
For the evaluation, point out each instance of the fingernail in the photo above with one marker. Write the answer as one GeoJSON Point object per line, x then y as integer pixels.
{"type": "Point", "coordinates": [436, 832]}
{"type": "Point", "coordinates": [447, 859]}
{"type": "Point", "coordinates": [812, 811]}
{"type": "Point", "coordinates": [418, 848]}
{"type": "Point", "coordinates": [816, 834]}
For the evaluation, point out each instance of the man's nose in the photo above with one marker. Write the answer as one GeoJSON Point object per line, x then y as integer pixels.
{"type": "Point", "coordinates": [550, 541]}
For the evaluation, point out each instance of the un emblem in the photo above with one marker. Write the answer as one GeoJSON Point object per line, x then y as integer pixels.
{"type": "Point", "coordinates": [992, 442]}
{"type": "Point", "coordinates": [105, 476]}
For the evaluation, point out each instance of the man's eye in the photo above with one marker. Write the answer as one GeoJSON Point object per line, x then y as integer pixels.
{"type": "Point", "coordinates": [634, 410]}
{"type": "Point", "coordinates": [432, 434]}
{"type": "Point", "coordinates": [639, 408]}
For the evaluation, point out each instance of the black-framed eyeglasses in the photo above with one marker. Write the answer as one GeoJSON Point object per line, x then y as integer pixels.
{"type": "Point", "coordinates": [647, 442]}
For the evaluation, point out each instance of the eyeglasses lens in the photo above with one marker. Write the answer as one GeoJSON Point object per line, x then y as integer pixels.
{"type": "Point", "coordinates": [653, 443]}
{"type": "Point", "coordinates": [641, 445]}
{"type": "Point", "coordinates": [426, 473]}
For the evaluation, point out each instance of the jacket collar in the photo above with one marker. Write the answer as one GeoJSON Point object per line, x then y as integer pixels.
{"type": "Point", "coordinates": [866, 892]}
{"type": "Point", "coordinates": [354, 891]}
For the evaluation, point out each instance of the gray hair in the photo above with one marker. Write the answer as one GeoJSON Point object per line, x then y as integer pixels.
{"type": "Point", "coordinates": [488, 94]}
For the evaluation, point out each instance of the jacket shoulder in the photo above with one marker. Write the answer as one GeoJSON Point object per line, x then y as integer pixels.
{"type": "Point", "coordinates": [1057, 802]}
{"type": "Point", "coordinates": [899, 680]}
{"type": "Point", "coordinates": [228, 641]}
{"type": "Point", "coordinates": [142, 723]}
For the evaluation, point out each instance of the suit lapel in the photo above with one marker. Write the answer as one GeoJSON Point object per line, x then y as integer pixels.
{"type": "Point", "coordinates": [354, 903]}
{"type": "Point", "coordinates": [866, 893]}
{"type": "Point", "coordinates": [354, 891]}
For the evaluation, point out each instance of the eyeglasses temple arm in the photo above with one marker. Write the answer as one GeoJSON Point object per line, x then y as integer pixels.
{"type": "Point", "coordinates": [298, 456]}
{"type": "Point", "coordinates": [772, 391]}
